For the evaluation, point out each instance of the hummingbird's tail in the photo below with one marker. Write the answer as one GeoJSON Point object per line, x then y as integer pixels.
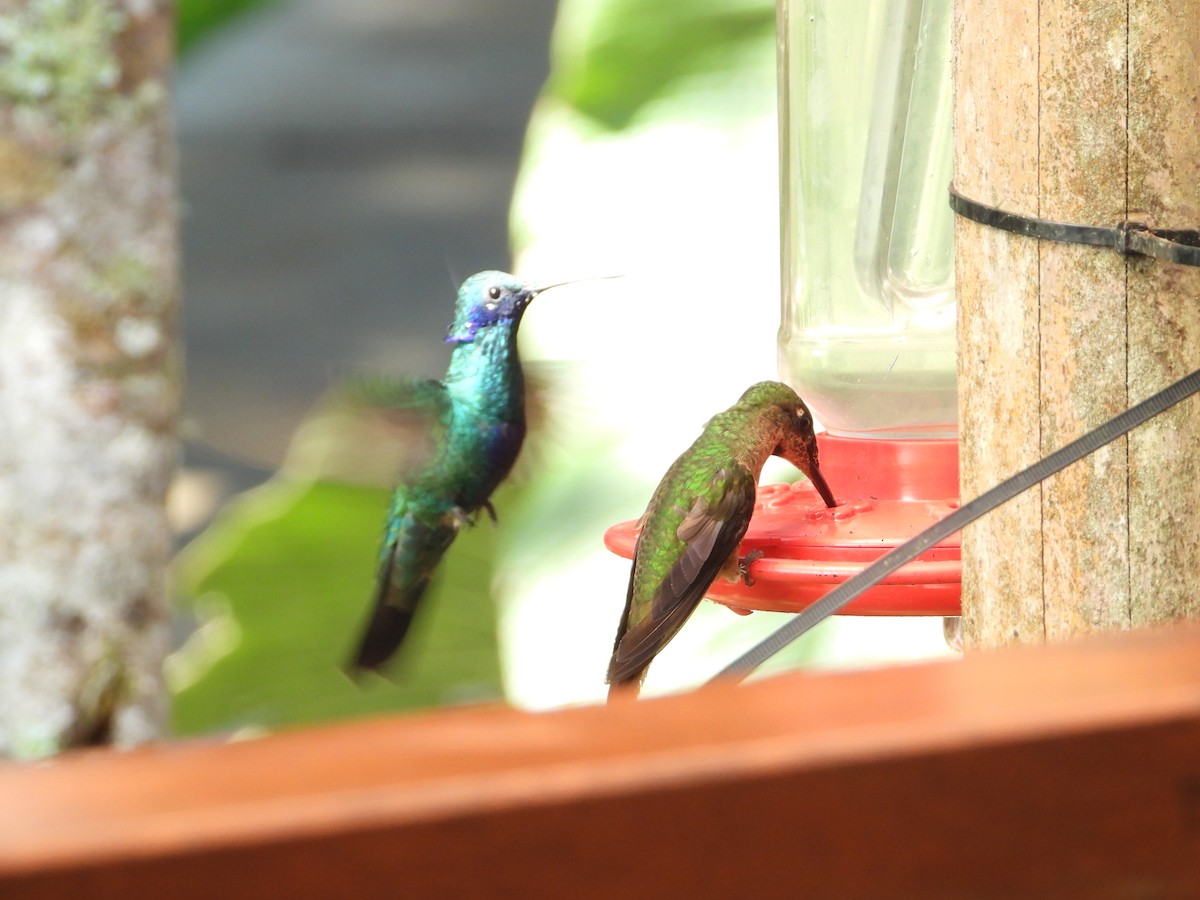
{"type": "Point", "coordinates": [403, 577]}
{"type": "Point", "coordinates": [382, 636]}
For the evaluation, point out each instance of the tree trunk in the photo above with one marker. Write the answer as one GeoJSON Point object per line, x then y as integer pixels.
{"type": "Point", "coordinates": [89, 370]}
{"type": "Point", "coordinates": [1085, 113]}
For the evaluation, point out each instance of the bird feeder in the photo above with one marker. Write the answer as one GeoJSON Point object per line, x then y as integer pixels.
{"type": "Point", "coordinates": [867, 335]}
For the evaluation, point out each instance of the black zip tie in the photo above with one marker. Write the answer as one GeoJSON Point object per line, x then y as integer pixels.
{"type": "Point", "coordinates": [956, 521]}
{"type": "Point", "coordinates": [1129, 238]}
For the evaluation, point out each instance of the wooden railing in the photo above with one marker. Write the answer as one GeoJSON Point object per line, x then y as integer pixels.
{"type": "Point", "coordinates": [1071, 770]}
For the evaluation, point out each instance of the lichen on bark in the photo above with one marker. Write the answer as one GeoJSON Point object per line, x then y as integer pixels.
{"type": "Point", "coordinates": [58, 62]}
{"type": "Point", "coordinates": [89, 370]}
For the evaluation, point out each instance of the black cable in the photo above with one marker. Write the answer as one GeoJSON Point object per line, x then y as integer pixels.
{"type": "Point", "coordinates": [1130, 237]}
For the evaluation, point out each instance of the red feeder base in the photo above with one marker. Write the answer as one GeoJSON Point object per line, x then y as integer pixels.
{"type": "Point", "coordinates": [887, 491]}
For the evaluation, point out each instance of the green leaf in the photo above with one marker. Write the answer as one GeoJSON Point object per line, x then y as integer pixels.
{"type": "Point", "coordinates": [281, 584]}
{"type": "Point", "coordinates": [613, 59]}
{"type": "Point", "coordinates": [194, 19]}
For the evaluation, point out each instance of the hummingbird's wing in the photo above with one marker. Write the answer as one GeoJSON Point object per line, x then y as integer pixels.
{"type": "Point", "coordinates": [708, 534]}
{"type": "Point", "coordinates": [406, 404]}
{"type": "Point", "coordinates": [368, 429]}
{"type": "Point", "coordinates": [396, 393]}
{"type": "Point", "coordinates": [555, 416]}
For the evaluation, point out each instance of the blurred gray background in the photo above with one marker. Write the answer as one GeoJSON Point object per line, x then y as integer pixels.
{"type": "Point", "coordinates": [344, 164]}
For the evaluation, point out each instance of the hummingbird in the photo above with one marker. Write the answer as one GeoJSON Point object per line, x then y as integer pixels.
{"type": "Point", "coordinates": [474, 426]}
{"type": "Point", "coordinates": [693, 526]}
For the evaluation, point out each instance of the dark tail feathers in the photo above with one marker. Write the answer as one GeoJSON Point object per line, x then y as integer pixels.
{"type": "Point", "coordinates": [382, 636]}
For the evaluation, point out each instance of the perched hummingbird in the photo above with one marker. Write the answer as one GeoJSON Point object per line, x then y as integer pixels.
{"type": "Point", "coordinates": [695, 521]}
{"type": "Point", "coordinates": [475, 420]}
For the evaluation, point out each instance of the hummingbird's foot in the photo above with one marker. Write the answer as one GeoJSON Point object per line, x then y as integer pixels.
{"type": "Point", "coordinates": [460, 518]}
{"type": "Point", "coordinates": [744, 566]}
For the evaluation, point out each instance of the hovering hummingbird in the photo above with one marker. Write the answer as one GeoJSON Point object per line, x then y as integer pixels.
{"type": "Point", "coordinates": [695, 521]}
{"type": "Point", "coordinates": [475, 425]}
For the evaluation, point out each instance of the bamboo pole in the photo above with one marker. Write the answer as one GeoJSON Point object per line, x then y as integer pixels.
{"type": "Point", "coordinates": [1085, 113]}
{"type": "Point", "coordinates": [1164, 310]}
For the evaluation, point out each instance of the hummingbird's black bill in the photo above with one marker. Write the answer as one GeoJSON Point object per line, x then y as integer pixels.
{"type": "Point", "coordinates": [818, 481]}
{"type": "Point", "coordinates": [533, 292]}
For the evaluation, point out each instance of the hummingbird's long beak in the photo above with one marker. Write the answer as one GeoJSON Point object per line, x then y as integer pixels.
{"type": "Point", "coordinates": [817, 479]}
{"type": "Point", "coordinates": [533, 292]}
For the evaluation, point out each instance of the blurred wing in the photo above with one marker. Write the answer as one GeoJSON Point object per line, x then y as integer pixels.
{"type": "Point", "coordinates": [400, 397]}
{"type": "Point", "coordinates": [554, 416]}
{"type": "Point", "coordinates": [368, 430]}
{"type": "Point", "coordinates": [547, 384]}
{"type": "Point", "coordinates": [710, 531]}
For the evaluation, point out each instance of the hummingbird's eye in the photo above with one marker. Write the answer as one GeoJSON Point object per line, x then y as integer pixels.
{"type": "Point", "coordinates": [494, 292]}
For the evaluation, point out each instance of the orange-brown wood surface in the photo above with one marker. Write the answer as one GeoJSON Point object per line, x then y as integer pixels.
{"type": "Point", "coordinates": [1070, 770]}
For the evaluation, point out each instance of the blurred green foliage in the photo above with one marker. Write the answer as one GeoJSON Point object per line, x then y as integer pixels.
{"type": "Point", "coordinates": [614, 58]}
{"type": "Point", "coordinates": [281, 584]}
{"type": "Point", "coordinates": [194, 19]}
